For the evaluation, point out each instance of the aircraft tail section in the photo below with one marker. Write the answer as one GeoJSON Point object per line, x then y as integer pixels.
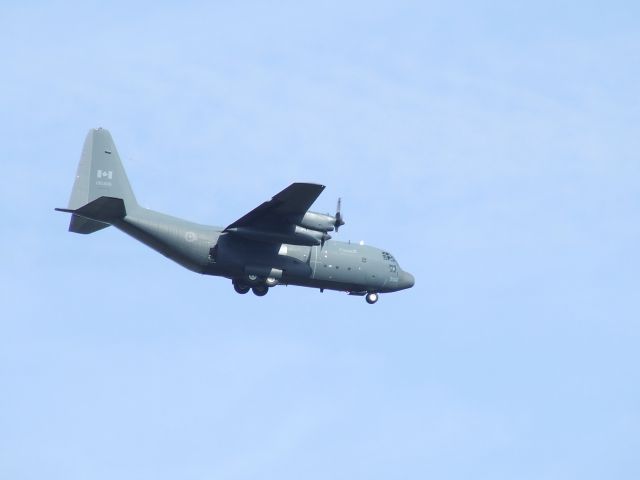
{"type": "Point", "coordinates": [101, 191]}
{"type": "Point", "coordinates": [96, 215]}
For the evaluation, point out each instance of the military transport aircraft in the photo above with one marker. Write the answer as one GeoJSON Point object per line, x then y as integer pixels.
{"type": "Point", "coordinates": [279, 242]}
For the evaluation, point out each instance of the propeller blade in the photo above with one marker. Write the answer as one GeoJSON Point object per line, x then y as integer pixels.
{"type": "Point", "coordinates": [339, 220]}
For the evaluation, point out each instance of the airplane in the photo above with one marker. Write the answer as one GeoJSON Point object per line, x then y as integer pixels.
{"type": "Point", "coordinates": [280, 242]}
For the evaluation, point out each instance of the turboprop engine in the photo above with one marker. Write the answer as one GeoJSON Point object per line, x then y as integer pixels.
{"type": "Point", "coordinates": [297, 236]}
{"type": "Point", "coordinates": [309, 229]}
{"type": "Point", "coordinates": [320, 222]}
{"type": "Point", "coordinates": [314, 237]}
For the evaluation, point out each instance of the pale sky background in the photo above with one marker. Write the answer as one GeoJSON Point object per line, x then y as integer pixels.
{"type": "Point", "coordinates": [492, 148]}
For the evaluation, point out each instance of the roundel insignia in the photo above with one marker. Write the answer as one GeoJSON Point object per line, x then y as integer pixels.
{"type": "Point", "coordinates": [190, 236]}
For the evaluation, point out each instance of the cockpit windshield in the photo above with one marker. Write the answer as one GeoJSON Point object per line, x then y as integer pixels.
{"type": "Point", "coordinates": [388, 257]}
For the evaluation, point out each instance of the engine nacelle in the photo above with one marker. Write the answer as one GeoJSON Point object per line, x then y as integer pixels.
{"type": "Point", "coordinates": [319, 222]}
{"type": "Point", "coordinates": [297, 236]}
{"type": "Point", "coordinates": [315, 237]}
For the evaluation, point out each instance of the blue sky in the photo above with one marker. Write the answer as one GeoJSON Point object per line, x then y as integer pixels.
{"type": "Point", "coordinates": [492, 149]}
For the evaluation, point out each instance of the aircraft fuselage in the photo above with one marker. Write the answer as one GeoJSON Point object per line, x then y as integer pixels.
{"type": "Point", "coordinates": [345, 266]}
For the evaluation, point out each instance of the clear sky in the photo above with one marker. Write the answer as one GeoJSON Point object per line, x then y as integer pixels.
{"type": "Point", "coordinates": [493, 149]}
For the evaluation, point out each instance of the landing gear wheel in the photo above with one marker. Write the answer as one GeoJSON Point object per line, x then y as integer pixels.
{"type": "Point", "coordinates": [241, 288]}
{"type": "Point", "coordinates": [371, 298]}
{"type": "Point", "coordinates": [260, 290]}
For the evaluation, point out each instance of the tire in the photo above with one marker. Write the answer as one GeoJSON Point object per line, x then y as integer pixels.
{"type": "Point", "coordinates": [241, 288]}
{"type": "Point", "coordinates": [260, 290]}
{"type": "Point", "coordinates": [371, 298]}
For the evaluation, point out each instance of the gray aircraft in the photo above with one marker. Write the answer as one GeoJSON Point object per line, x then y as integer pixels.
{"type": "Point", "coordinates": [279, 242]}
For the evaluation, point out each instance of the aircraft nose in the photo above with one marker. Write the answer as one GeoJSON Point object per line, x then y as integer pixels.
{"type": "Point", "coordinates": [406, 280]}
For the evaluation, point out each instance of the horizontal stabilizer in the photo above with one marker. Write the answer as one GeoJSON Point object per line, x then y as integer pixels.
{"type": "Point", "coordinates": [95, 215]}
{"type": "Point", "coordinates": [84, 225]}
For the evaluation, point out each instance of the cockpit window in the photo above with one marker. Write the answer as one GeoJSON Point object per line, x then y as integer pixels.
{"type": "Point", "coordinates": [388, 257]}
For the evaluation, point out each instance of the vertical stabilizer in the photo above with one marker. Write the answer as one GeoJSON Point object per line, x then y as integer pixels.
{"type": "Point", "coordinates": [100, 174]}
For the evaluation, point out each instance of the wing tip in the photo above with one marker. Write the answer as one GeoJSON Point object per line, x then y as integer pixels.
{"type": "Point", "coordinates": [310, 184]}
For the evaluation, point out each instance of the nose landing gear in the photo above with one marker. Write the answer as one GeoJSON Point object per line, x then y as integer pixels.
{"type": "Point", "coordinates": [371, 298]}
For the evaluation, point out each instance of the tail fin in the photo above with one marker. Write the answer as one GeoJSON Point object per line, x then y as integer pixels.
{"type": "Point", "coordinates": [100, 175]}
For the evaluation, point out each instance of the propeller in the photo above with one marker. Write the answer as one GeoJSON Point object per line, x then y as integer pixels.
{"type": "Point", "coordinates": [339, 220]}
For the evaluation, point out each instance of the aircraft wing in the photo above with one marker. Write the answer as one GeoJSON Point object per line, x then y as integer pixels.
{"type": "Point", "coordinates": [274, 220]}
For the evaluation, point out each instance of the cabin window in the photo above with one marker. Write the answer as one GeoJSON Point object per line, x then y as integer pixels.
{"type": "Point", "coordinates": [364, 259]}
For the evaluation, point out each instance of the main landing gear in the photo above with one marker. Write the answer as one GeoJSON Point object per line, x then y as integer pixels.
{"type": "Point", "coordinates": [241, 288]}
{"type": "Point", "coordinates": [259, 290]}
{"type": "Point", "coordinates": [371, 298]}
